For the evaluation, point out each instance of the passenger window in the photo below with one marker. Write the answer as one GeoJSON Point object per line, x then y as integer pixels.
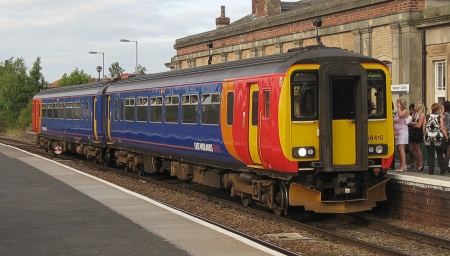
{"type": "Point", "coordinates": [44, 110]}
{"type": "Point", "coordinates": [129, 109]}
{"type": "Point", "coordinates": [171, 109]}
{"type": "Point", "coordinates": [189, 109]}
{"type": "Point", "coordinates": [230, 108]}
{"type": "Point", "coordinates": [69, 107]}
{"type": "Point", "coordinates": [61, 110]}
{"type": "Point", "coordinates": [210, 108]}
{"type": "Point", "coordinates": [156, 109]}
{"type": "Point", "coordinates": [142, 109]}
{"type": "Point", "coordinates": [266, 103]}
{"type": "Point", "coordinates": [55, 111]}
{"type": "Point", "coordinates": [116, 109]}
{"type": "Point", "coordinates": [87, 111]}
{"type": "Point", "coordinates": [76, 111]}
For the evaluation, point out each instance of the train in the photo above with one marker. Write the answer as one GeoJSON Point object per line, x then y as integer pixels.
{"type": "Point", "coordinates": [310, 129]}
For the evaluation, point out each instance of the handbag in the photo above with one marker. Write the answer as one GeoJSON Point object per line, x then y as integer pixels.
{"type": "Point", "coordinates": [408, 120]}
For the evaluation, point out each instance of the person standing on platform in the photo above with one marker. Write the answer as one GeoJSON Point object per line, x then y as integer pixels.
{"type": "Point", "coordinates": [408, 148]}
{"type": "Point", "coordinates": [434, 135]}
{"type": "Point", "coordinates": [416, 134]}
{"type": "Point", "coordinates": [446, 113]}
{"type": "Point", "coordinates": [401, 132]}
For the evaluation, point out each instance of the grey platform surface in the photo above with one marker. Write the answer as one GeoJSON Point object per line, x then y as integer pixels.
{"type": "Point", "coordinates": [47, 208]}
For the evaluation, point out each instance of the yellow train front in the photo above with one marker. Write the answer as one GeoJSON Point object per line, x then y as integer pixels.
{"type": "Point", "coordinates": [323, 130]}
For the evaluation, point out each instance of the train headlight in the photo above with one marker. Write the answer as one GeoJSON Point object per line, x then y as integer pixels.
{"type": "Point", "coordinates": [378, 149]}
{"type": "Point", "coordinates": [303, 152]}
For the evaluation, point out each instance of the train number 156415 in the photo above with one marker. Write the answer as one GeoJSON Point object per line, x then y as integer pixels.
{"type": "Point", "coordinates": [376, 137]}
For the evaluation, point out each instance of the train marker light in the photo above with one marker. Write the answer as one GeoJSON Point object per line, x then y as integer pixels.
{"type": "Point", "coordinates": [300, 152]}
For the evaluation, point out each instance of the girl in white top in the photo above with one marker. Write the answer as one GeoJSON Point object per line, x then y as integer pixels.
{"type": "Point", "coordinates": [401, 132]}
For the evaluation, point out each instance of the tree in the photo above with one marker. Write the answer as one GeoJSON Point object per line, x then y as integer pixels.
{"type": "Point", "coordinates": [76, 77]}
{"type": "Point", "coordinates": [115, 70]}
{"type": "Point", "coordinates": [140, 70]}
{"type": "Point", "coordinates": [15, 90]}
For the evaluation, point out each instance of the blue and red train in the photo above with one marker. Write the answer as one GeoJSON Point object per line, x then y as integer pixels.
{"type": "Point", "coordinates": [311, 127]}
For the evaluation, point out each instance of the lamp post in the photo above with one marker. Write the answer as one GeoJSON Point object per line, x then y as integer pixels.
{"type": "Point", "coordinates": [102, 53]}
{"type": "Point", "coordinates": [127, 41]}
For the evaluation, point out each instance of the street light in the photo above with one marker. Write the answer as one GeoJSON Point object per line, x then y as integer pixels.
{"type": "Point", "coordinates": [102, 53]}
{"type": "Point", "coordinates": [127, 41]}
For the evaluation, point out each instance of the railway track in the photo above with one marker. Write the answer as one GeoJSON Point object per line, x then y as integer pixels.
{"type": "Point", "coordinates": [312, 227]}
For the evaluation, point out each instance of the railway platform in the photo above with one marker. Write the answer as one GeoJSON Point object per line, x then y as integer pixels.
{"type": "Point", "coordinates": [47, 208]}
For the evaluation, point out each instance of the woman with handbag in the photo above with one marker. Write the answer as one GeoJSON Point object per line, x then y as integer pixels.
{"type": "Point", "coordinates": [401, 132]}
{"type": "Point", "coordinates": [416, 134]}
{"type": "Point", "coordinates": [435, 137]}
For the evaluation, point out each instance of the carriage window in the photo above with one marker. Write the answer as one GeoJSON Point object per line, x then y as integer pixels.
{"type": "Point", "coordinates": [121, 112]}
{"type": "Point", "coordinates": [116, 109]}
{"type": "Point", "coordinates": [76, 111]}
{"type": "Point", "coordinates": [189, 109]}
{"type": "Point", "coordinates": [156, 109]}
{"type": "Point", "coordinates": [44, 110]}
{"type": "Point", "coordinates": [69, 110]}
{"type": "Point", "coordinates": [129, 109]}
{"type": "Point", "coordinates": [210, 108]}
{"type": "Point", "coordinates": [171, 105]}
{"type": "Point", "coordinates": [142, 109]}
{"type": "Point", "coordinates": [255, 108]}
{"type": "Point", "coordinates": [304, 95]}
{"type": "Point", "coordinates": [88, 113]}
{"type": "Point", "coordinates": [82, 110]}
{"type": "Point", "coordinates": [61, 110]}
{"type": "Point", "coordinates": [376, 93]}
{"type": "Point", "coordinates": [55, 111]}
{"type": "Point", "coordinates": [266, 103]}
{"type": "Point", "coordinates": [230, 108]}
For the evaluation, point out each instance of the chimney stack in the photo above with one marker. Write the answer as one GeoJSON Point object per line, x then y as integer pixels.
{"type": "Point", "coordinates": [222, 21]}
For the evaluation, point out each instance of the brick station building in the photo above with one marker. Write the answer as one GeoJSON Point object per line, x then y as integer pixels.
{"type": "Point", "coordinates": [411, 37]}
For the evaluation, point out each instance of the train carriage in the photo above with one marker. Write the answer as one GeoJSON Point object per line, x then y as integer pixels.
{"type": "Point", "coordinates": [311, 127]}
{"type": "Point", "coordinates": [70, 117]}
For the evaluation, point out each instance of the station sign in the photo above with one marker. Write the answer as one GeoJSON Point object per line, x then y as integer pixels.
{"type": "Point", "coordinates": [400, 88]}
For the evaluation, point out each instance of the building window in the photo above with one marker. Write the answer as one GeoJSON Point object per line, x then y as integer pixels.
{"type": "Point", "coordinates": [440, 80]}
{"type": "Point", "coordinates": [210, 108]}
{"type": "Point", "coordinates": [172, 105]}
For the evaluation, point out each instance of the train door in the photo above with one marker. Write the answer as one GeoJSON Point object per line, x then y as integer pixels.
{"type": "Point", "coordinates": [343, 116]}
{"type": "Point", "coordinates": [94, 118]}
{"type": "Point", "coordinates": [107, 116]}
{"type": "Point", "coordinates": [253, 124]}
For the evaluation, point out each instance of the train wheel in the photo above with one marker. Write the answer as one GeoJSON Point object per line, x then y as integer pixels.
{"type": "Point", "coordinates": [246, 199]}
{"type": "Point", "coordinates": [281, 201]}
{"type": "Point", "coordinates": [106, 159]}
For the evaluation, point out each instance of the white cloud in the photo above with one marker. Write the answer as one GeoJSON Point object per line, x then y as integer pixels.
{"type": "Point", "coordinates": [63, 32]}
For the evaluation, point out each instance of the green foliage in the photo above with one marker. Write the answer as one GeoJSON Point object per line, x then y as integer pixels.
{"type": "Point", "coordinates": [76, 77]}
{"type": "Point", "coordinates": [141, 70]}
{"type": "Point", "coordinates": [25, 116]}
{"type": "Point", "coordinates": [17, 88]}
{"type": "Point", "coordinates": [115, 70]}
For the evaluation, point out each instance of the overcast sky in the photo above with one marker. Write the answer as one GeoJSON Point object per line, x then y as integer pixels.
{"type": "Point", "coordinates": [62, 32]}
